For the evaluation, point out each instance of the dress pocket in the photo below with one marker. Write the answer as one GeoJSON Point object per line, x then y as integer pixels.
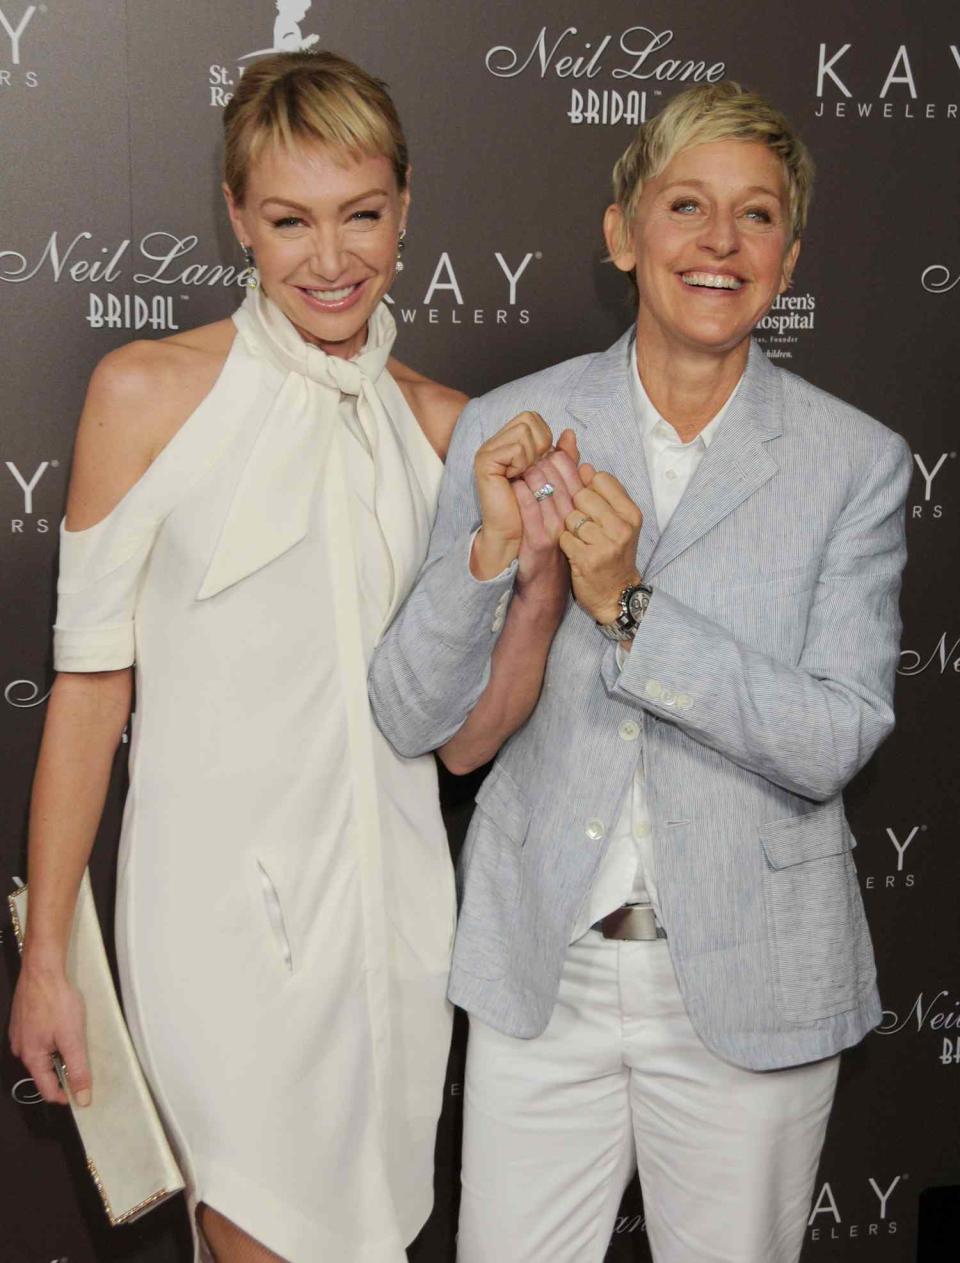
{"type": "Point", "coordinates": [821, 943]}
{"type": "Point", "coordinates": [275, 917]}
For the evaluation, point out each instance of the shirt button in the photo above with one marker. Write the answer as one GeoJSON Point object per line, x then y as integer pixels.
{"type": "Point", "coordinates": [684, 701]}
{"type": "Point", "coordinates": [595, 830]}
{"type": "Point", "coordinates": [671, 474]}
{"type": "Point", "coordinates": [628, 730]}
{"type": "Point", "coordinates": [642, 829]}
{"type": "Point", "coordinates": [653, 688]}
{"type": "Point", "coordinates": [668, 697]}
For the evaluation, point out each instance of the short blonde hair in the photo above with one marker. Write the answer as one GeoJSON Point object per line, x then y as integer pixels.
{"type": "Point", "coordinates": [704, 113]}
{"type": "Point", "coordinates": [286, 98]}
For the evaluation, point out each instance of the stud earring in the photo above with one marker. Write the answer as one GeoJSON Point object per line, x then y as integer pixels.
{"type": "Point", "coordinates": [249, 277]}
{"type": "Point", "coordinates": [401, 245]}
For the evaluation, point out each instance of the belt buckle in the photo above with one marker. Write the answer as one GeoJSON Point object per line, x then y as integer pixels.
{"type": "Point", "coordinates": [632, 923]}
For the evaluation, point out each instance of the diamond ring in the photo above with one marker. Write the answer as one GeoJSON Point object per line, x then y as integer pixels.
{"type": "Point", "coordinates": [543, 492]}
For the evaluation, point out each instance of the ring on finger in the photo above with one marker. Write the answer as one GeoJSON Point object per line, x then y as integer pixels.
{"type": "Point", "coordinates": [580, 525]}
{"type": "Point", "coordinates": [542, 493]}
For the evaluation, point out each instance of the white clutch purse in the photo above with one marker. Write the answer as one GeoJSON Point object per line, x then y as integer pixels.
{"type": "Point", "coordinates": [127, 1152]}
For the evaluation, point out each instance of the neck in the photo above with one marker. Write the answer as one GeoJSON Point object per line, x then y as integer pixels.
{"type": "Point", "coordinates": [686, 385]}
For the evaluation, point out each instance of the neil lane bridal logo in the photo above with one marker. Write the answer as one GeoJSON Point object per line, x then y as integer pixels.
{"type": "Point", "coordinates": [159, 259]}
{"type": "Point", "coordinates": [287, 37]}
{"type": "Point", "coordinates": [934, 1013]}
{"type": "Point", "coordinates": [942, 659]}
{"type": "Point", "coordinates": [887, 83]}
{"type": "Point", "coordinates": [639, 61]}
{"type": "Point", "coordinates": [938, 279]}
{"type": "Point", "coordinates": [19, 25]}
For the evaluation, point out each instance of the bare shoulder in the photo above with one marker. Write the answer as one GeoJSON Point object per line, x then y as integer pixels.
{"type": "Point", "coordinates": [139, 396]}
{"type": "Point", "coordinates": [435, 406]}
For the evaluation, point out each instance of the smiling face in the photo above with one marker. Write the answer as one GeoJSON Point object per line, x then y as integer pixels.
{"type": "Point", "coordinates": [709, 247]}
{"type": "Point", "coordinates": [323, 228]}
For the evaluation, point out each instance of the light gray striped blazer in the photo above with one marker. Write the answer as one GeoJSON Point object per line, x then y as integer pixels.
{"type": "Point", "coordinates": [762, 677]}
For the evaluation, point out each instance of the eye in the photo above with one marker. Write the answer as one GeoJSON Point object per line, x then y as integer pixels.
{"type": "Point", "coordinates": [760, 215]}
{"type": "Point", "coordinates": [288, 221]}
{"type": "Point", "coordinates": [371, 216]}
{"type": "Point", "coordinates": [684, 206]}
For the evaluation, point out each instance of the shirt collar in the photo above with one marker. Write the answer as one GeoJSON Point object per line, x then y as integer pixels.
{"type": "Point", "coordinates": [650, 418]}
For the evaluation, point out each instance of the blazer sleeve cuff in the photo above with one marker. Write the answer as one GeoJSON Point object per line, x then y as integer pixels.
{"type": "Point", "coordinates": [661, 672]}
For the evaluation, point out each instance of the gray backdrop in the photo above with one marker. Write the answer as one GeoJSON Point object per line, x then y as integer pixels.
{"type": "Point", "coordinates": [111, 227]}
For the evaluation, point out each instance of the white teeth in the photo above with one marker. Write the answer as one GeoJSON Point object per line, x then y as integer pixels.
{"type": "Point", "coordinates": [711, 280]}
{"type": "Point", "coordinates": [331, 295]}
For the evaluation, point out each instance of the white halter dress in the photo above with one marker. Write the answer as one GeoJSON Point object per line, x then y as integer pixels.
{"type": "Point", "coordinates": [285, 902]}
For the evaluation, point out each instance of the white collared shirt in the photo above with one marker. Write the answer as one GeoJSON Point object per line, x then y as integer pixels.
{"type": "Point", "coordinates": [626, 873]}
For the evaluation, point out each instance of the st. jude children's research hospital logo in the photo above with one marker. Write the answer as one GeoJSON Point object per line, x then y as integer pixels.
{"type": "Point", "coordinates": [288, 37]}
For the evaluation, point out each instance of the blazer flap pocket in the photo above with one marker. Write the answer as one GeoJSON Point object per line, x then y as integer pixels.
{"type": "Point", "coordinates": [812, 836]}
{"type": "Point", "coordinates": [502, 800]}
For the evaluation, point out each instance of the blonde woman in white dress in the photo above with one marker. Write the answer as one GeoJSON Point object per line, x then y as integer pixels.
{"type": "Point", "coordinates": [250, 503]}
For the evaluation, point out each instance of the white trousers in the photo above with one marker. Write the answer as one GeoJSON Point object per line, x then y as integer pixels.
{"type": "Point", "coordinates": [555, 1126]}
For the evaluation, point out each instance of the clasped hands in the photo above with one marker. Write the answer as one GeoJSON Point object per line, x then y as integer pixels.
{"type": "Point", "coordinates": [582, 536]}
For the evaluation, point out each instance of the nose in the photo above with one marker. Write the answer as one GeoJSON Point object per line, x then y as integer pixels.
{"type": "Point", "coordinates": [327, 256]}
{"type": "Point", "coordinates": [720, 234]}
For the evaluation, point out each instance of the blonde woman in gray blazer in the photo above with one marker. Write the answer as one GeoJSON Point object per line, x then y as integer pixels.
{"type": "Point", "coordinates": [662, 945]}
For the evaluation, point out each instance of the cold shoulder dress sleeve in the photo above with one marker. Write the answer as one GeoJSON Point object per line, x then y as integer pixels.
{"type": "Point", "coordinates": [285, 896]}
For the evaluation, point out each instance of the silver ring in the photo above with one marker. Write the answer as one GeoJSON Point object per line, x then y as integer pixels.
{"type": "Point", "coordinates": [579, 526]}
{"type": "Point", "coordinates": [542, 493]}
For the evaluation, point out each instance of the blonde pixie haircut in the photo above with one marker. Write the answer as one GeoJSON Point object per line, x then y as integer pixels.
{"type": "Point", "coordinates": [704, 113]}
{"type": "Point", "coordinates": [289, 98]}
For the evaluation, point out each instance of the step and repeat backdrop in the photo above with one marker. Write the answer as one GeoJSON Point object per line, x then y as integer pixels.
{"type": "Point", "coordinates": [112, 228]}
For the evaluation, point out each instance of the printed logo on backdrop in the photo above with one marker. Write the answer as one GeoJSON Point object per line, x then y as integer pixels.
{"type": "Point", "coordinates": [902, 860]}
{"type": "Point", "coordinates": [111, 276]}
{"type": "Point", "coordinates": [891, 88]}
{"type": "Point", "coordinates": [28, 485]}
{"type": "Point", "coordinates": [791, 318]}
{"type": "Point", "coordinates": [934, 488]}
{"type": "Point", "coordinates": [19, 26]}
{"type": "Point", "coordinates": [288, 37]}
{"type": "Point", "coordinates": [612, 79]}
{"type": "Point", "coordinates": [857, 1209]}
{"type": "Point", "coordinates": [447, 301]}
{"type": "Point", "coordinates": [933, 1017]}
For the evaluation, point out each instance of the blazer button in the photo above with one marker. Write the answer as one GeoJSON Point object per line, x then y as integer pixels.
{"type": "Point", "coordinates": [684, 701]}
{"type": "Point", "coordinates": [628, 730]}
{"type": "Point", "coordinates": [595, 830]}
{"type": "Point", "coordinates": [653, 688]}
{"type": "Point", "coordinates": [668, 697]}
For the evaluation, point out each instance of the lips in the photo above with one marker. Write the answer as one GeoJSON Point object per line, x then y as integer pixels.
{"type": "Point", "coordinates": [712, 280]}
{"type": "Point", "coordinates": [333, 299]}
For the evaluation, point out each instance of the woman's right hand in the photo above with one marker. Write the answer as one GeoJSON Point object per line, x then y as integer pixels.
{"type": "Point", "coordinates": [499, 461]}
{"type": "Point", "coordinates": [48, 1016]}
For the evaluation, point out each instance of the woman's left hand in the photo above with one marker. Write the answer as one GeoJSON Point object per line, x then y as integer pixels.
{"type": "Point", "coordinates": [543, 577]}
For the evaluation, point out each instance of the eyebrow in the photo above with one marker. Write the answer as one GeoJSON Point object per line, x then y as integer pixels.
{"type": "Point", "coordinates": [288, 201]}
{"type": "Point", "coordinates": [700, 184]}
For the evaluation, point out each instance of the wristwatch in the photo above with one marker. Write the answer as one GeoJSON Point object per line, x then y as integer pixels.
{"type": "Point", "coordinates": [634, 600]}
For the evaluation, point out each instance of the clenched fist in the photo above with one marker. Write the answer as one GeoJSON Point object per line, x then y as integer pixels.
{"type": "Point", "coordinates": [499, 461]}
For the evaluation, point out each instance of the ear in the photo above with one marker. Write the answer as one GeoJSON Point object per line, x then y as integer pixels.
{"type": "Point", "coordinates": [619, 239]}
{"type": "Point", "coordinates": [789, 263]}
{"type": "Point", "coordinates": [234, 210]}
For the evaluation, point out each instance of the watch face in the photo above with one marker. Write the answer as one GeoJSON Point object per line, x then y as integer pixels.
{"type": "Point", "coordinates": [637, 603]}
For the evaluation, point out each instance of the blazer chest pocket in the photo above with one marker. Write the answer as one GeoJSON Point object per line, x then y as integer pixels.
{"type": "Point", "coordinates": [820, 941]}
{"type": "Point", "coordinates": [491, 874]}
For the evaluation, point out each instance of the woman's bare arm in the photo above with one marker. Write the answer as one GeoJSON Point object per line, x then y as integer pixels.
{"type": "Point", "coordinates": [542, 590]}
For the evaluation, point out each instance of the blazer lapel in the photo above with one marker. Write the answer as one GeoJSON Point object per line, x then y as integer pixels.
{"type": "Point", "coordinates": [736, 464]}
{"type": "Point", "coordinates": [608, 433]}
